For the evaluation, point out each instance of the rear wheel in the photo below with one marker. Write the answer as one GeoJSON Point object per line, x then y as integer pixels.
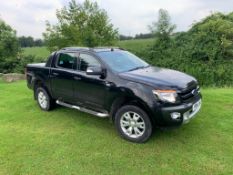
{"type": "Point", "coordinates": [43, 99]}
{"type": "Point", "coordinates": [133, 124]}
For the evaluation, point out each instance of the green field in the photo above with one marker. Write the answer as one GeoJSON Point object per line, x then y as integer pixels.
{"type": "Point", "coordinates": [42, 52]}
{"type": "Point", "coordinates": [132, 45]}
{"type": "Point", "coordinates": [66, 141]}
{"type": "Point", "coordinates": [136, 44]}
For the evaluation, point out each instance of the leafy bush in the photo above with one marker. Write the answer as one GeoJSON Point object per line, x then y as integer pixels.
{"type": "Point", "coordinates": [205, 51]}
{"type": "Point", "coordinates": [9, 48]}
{"type": "Point", "coordinates": [24, 60]}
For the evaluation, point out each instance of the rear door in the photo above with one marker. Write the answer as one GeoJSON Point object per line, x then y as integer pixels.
{"type": "Point", "coordinates": [62, 76]}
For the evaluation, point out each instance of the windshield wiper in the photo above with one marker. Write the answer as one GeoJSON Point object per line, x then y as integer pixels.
{"type": "Point", "coordinates": [140, 67]}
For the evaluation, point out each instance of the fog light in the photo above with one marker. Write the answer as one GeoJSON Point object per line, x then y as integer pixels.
{"type": "Point", "coordinates": [175, 115]}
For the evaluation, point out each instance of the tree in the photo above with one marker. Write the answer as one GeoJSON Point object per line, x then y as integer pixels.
{"type": "Point", "coordinates": [30, 41]}
{"type": "Point", "coordinates": [162, 30]}
{"type": "Point", "coordinates": [38, 42]}
{"type": "Point", "coordinates": [9, 48]}
{"type": "Point", "coordinates": [80, 24]}
{"type": "Point", "coordinates": [162, 27]}
{"type": "Point", "coordinates": [144, 35]}
{"type": "Point", "coordinates": [26, 41]}
{"type": "Point", "coordinates": [124, 37]}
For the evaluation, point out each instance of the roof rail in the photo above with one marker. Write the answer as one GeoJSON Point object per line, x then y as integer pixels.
{"type": "Point", "coordinates": [75, 48]}
{"type": "Point", "coordinates": [92, 48]}
{"type": "Point", "coordinates": [107, 47]}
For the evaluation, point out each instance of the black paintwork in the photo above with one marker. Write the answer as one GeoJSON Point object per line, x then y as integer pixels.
{"type": "Point", "coordinates": [109, 91]}
{"type": "Point", "coordinates": [159, 78]}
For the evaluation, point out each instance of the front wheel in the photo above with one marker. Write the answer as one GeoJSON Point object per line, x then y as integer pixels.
{"type": "Point", "coordinates": [133, 124]}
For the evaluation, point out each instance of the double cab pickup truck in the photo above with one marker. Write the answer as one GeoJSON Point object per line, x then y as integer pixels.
{"type": "Point", "coordinates": [114, 83]}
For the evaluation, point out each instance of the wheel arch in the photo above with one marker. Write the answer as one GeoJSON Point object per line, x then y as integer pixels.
{"type": "Point", "coordinates": [126, 100]}
{"type": "Point", "coordinates": [39, 83]}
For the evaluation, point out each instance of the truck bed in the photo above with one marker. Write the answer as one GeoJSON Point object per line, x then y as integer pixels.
{"type": "Point", "coordinates": [38, 70]}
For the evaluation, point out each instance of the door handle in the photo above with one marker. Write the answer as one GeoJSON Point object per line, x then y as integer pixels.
{"type": "Point", "coordinates": [108, 84]}
{"type": "Point", "coordinates": [55, 74]}
{"type": "Point", "coordinates": [77, 78]}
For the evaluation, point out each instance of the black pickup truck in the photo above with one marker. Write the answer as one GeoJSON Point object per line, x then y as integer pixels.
{"type": "Point", "coordinates": [114, 83]}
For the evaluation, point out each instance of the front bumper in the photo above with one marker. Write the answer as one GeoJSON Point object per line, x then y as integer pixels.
{"type": "Point", "coordinates": [186, 112]}
{"type": "Point", "coordinates": [187, 116]}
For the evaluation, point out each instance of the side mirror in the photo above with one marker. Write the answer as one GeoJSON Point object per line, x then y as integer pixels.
{"type": "Point", "coordinates": [94, 71]}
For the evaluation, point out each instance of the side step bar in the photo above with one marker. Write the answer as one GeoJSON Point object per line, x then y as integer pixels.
{"type": "Point", "coordinates": [98, 114]}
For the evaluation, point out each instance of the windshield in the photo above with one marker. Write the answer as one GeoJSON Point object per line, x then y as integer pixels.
{"type": "Point", "coordinates": [122, 61]}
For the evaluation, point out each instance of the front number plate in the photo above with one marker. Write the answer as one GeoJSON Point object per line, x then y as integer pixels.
{"type": "Point", "coordinates": [196, 105]}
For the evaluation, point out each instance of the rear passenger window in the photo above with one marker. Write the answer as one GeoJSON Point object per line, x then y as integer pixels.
{"type": "Point", "coordinates": [66, 60]}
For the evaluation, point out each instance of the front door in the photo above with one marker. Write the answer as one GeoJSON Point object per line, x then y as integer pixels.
{"type": "Point", "coordinates": [90, 90]}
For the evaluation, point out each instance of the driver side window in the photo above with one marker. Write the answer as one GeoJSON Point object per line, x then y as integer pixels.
{"type": "Point", "coordinates": [86, 61]}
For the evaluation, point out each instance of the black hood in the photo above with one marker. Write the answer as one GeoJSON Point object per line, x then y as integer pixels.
{"type": "Point", "coordinates": [160, 77]}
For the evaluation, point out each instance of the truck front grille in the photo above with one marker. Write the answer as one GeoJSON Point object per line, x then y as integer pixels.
{"type": "Point", "coordinates": [189, 93]}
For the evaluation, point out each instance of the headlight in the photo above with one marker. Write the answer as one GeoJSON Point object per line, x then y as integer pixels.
{"type": "Point", "coordinates": [166, 95]}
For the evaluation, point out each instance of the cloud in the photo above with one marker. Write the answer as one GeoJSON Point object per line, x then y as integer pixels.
{"type": "Point", "coordinates": [132, 16]}
{"type": "Point", "coordinates": [28, 17]}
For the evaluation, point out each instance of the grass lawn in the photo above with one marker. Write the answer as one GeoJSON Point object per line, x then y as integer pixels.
{"type": "Point", "coordinates": [65, 141]}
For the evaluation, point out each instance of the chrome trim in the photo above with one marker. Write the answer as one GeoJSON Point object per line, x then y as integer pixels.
{"type": "Point", "coordinates": [98, 114]}
{"type": "Point", "coordinates": [42, 99]}
{"type": "Point", "coordinates": [132, 124]}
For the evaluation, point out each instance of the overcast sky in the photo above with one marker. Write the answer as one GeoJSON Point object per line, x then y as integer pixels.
{"type": "Point", "coordinates": [129, 16]}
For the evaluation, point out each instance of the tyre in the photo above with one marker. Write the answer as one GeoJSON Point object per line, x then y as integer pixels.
{"type": "Point", "coordinates": [45, 102]}
{"type": "Point", "coordinates": [133, 124]}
